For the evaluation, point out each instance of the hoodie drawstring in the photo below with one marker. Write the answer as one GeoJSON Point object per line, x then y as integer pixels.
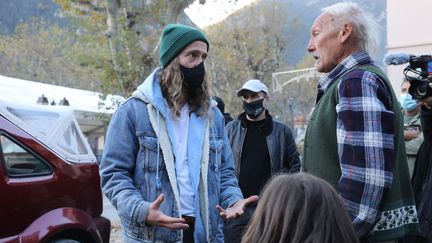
{"type": "Point", "coordinates": [158, 181]}
{"type": "Point", "coordinates": [215, 143]}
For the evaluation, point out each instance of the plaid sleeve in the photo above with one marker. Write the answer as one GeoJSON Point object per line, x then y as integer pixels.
{"type": "Point", "coordinates": [365, 129]}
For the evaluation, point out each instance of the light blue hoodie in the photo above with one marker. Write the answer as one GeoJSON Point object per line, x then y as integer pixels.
{"type": "Point", "coordinates": [138, 164]}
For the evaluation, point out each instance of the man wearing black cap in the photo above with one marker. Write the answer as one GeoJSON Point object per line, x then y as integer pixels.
{"type": "Point", "coordinates": [262, 146]}
{"type": "Point", "coordinates": [167, 163]}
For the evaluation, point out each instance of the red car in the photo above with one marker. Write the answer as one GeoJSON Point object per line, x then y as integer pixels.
{"type": "Point", "coordinates": [49, 180]}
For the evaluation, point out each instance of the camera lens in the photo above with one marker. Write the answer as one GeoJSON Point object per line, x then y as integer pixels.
{"type": "Point", "coordinates": [421, 90]}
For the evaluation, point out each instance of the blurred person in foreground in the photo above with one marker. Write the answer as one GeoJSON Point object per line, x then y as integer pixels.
{"type": "Point", "coordinates": [412, 127]}
{"type": "Point", "coordinates": [262, 146]}
{"type": "Point", "coordinates": [167, 163]}
{"type": "Point", "coordinates": [354, 139]}
{"type": "Point", "coordinates": [422, 178]}
{"type": "Point", "coordinates": [298, 208]}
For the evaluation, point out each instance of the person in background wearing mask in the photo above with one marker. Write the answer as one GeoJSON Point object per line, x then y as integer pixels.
{"type": "Point", "coordinates": [167, 163]}
{"type": "Point", "coordinates": [412, 127]}
{"type": "Point", "coordinates": [262, 146]}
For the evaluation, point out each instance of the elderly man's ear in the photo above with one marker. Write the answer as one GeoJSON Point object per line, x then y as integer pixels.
{"type": "Point", "coordinates": [345, 33]}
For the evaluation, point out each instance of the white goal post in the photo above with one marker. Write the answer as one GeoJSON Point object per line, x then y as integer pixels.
{"type": "Point", "coordinates": [280, 79]}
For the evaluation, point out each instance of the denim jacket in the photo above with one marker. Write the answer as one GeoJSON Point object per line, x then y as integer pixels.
{"type": "Point", "coordinates": [138, 164]}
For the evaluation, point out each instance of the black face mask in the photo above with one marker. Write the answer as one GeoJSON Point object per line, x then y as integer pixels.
{"type": "Point", "coordinates": [254, 108]}
{"type": "Point", "coordinates": [193, 77]}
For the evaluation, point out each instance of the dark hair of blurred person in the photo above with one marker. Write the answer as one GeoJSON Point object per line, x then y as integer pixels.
{"type": "Point", "coordinates": [299, 208]}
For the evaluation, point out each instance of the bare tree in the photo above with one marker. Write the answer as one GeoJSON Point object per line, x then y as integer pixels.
{"type": "Point", "coordinates": [249, 45]}
{"type": "Point", "coordinates": [132, 29]}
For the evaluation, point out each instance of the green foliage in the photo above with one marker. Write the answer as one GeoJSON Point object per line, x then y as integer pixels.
{"type": "Point", "coordinates": [47, 53]}
{"type": "Point", "coordinates": [113, 47]}
{"type": "Point", "coordinates": [131, 28]}
{"type": "Point", "coordinates": [120, 59]}
{"type": "Point", "coordinates": [297, 98]}
{"type": "Point", "coordinates": [245, 46]}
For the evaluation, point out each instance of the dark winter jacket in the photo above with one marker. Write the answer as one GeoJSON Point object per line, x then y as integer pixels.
{"type": "Point", "coordinates": [422, 178]}
{"type": "Point", "coordinates": [284, 156]}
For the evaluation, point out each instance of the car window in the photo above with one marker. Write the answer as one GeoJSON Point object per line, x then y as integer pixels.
{"type": "Point", "coordinates": [71, 141]}
{"type": "Point", "coordinates": [18, 162]}
{"type": "Point", "coordinates": [42, 121]}
{"type": "Point", "coordinates": [57, 128]}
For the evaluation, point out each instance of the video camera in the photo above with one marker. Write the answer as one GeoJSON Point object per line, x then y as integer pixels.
{"type": "Point", "coordinates": [418, 72]}
{"type": "Point", "coordinates": [419, 79]}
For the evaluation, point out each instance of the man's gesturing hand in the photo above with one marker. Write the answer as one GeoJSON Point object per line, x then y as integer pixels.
{"type": "Point", "coordinates": [237, 209]}
{"type": "Point", "coordinates": [157, 218]}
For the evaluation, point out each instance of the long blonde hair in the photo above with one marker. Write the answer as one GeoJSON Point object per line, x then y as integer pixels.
{"type": "Point", "coordinates": [176, 94]}
{"type": "Point", "coordinates": [299, 208]}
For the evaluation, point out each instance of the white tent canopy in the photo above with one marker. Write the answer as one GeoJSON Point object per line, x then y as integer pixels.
{"type": "Point", "coordinates": [55, 126]}
{"type": "Point", "coordinates": [86, 104]}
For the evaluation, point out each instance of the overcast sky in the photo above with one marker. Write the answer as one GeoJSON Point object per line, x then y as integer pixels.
{"type": "Point", "coordinates": [213, 11]}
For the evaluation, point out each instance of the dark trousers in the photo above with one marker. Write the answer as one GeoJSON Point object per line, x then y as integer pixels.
{"type": "Point", "coordinates": [188, 235]}
{"type": "Point", "coordinates": [234, 229]}
{"type": "Point", "coordinates": [414, 238]}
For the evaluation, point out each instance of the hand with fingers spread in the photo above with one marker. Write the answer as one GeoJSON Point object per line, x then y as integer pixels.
{"type": "Point", "coordinates": [156, 217]}
{"type": "Point", "coordinates": [237, 208]}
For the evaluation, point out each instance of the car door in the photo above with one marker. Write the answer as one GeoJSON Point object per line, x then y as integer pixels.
{"type": "Point", "coordinates": [25, 182]}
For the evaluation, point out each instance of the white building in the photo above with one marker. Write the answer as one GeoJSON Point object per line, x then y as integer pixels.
{"type": "Point", "coordinates": [408, 31]}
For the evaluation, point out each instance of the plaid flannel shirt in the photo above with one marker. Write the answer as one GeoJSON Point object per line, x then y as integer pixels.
{"type": "Point", "coordinates": [365, 129]}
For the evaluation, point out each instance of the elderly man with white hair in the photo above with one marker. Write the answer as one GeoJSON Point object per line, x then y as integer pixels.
{"type": "Point", "coordinates": [354, 139]}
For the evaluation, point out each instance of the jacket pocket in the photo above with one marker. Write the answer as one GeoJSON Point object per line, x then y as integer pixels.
{"type": "Point", "coordinates": [214, 175]}
{"type": "Point", "coordinates": [149, 167]}
{"type": "Point", "coordinates": [215, 155]}
{"type": "Point", "coordinates": [151, 161]}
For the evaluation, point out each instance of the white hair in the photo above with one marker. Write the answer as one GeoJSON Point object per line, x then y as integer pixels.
{"type": "Point", "coordinates": [366, 28]}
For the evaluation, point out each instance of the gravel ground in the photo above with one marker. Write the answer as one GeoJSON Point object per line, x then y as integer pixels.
{"type": "Point", "coordinates": [115, 236]}
{"type": "Point", "coordinates": [110, 213]}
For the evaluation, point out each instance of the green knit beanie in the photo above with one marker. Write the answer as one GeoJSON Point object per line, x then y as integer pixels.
{"type": "Point", "coordinates": [175, 37]}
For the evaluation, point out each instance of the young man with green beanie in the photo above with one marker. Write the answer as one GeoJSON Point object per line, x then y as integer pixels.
{"type": "Point", "coordinates": [167, 162]}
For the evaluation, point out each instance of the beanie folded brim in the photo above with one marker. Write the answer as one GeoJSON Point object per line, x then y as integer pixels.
{"type": "Point", "coordinates": [176, 39]}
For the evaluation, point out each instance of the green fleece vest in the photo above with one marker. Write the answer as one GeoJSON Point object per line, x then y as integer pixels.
{"type": "Point", "coordinates": [397, 216]}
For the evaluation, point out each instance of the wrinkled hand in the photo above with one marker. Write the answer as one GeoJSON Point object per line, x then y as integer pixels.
{"type": "Point", "coordinates": [237, 209]}
{"type": "Point", "coordinates": [157, 218]}
{"type": "Point", "coordinates": [410, 135]}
